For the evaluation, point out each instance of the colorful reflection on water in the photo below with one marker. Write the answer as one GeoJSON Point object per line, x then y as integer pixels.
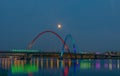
{"type": "Point", "coordinates": [24, 68]}
{"type": "Point", "coordinates": [56, 67]}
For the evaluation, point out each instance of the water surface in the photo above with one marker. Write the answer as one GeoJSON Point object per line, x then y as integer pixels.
{"type": "Point", "coordinates": [56, 67]}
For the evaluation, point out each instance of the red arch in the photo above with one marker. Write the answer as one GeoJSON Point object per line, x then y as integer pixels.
{"type": "Point", "coordinates": [48, 31]}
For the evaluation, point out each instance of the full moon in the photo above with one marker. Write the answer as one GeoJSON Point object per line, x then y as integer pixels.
{"type": "Point", "coordinates": [59, 26]}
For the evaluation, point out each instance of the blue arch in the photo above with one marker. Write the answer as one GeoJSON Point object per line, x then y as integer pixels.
{"type": "Point", "coordinates": [73, 43]}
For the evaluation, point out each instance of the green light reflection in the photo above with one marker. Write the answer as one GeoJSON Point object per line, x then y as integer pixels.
{"type": "Point", "coordinates": [24, 69]}
{"type": "Point", "coordinates": [85, 65]}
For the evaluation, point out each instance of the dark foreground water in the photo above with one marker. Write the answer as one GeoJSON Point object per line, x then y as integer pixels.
{"type": "Point", "coordinates": [56, 67]}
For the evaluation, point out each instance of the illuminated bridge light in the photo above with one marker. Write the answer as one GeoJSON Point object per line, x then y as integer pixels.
{"type": "Point", "coordinates": [25, 69]}
{"type": "Point", "coordinates": [25, 50]}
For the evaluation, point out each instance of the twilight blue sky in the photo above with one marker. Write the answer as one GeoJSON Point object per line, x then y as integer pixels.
{"type": "Point", "coordinates": [94, 24]}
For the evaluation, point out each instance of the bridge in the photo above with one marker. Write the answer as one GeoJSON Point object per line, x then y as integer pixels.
{"type": "Point", "coordinates": [65, 51]}
{"type": "Point", "coordinates": [65, 46]}
{"type": "Point", "coordinates": [36, 53]}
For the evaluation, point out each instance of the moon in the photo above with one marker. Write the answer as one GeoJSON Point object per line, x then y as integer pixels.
{"type": "Point", "coordinates": [59, 26]}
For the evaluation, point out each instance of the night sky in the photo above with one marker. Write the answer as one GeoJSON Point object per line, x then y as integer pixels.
{"type": "Point", "coordinates": [94, 24]}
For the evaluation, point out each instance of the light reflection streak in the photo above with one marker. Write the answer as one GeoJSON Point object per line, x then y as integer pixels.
{"type": "Point", "coordinates": [69, 63]}
{"type": "Point", "coordinates": [77, 61]}
{"type": "Point", "coordinates": [57, 63]}
{"type": "Point", "coordinates": [37, 62]}
{"type": "Point", "coordinates": [118, 64]}
{"type": "Point", "coordinates": [106, 65]}
{"type": "Point", "coordinates": [51, 63]}
{"type": "Point", "coordinates": [98, 65]}
{"type": "Point", "coordinates": [47, 63]}
{"type": "Point", "coordinates": [41, 63]}
{"type": "Point", "coordinates": [110, 65]}
{"type": "Point", "coordinates": [66, 71]}
{"type": "Point", "coordinates": [5, 63]}
{"type": "Point", "coordinates": [62, 63]}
